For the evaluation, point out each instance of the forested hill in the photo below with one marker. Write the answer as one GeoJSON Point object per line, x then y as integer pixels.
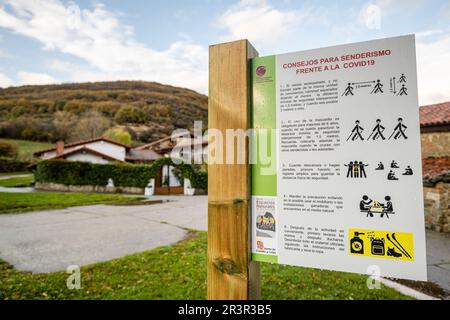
{"type": "Point", "coordinates": [147, 110]}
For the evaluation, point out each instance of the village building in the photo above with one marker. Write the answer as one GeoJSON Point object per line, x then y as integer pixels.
{"type": "Point", "coordinates": [103, 151]}
{"type": "Point", "coordinates": [435, 136]}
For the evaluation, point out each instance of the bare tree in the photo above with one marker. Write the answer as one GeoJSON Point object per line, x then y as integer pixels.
{"type": "Point", "coordinates": [64, 123]}
{"type": "Point", "coordinates": [91, 124]}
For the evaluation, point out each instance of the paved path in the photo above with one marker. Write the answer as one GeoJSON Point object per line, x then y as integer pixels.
{"type": "Point", "coordinates": [49, 241]}
{"type": "Point", "coordinates": [438, 258]}
{"type": "Point", "coordinates": [18, 190]}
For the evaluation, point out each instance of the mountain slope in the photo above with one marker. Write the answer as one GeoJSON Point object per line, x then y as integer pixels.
{"type": "Point", "coordinates": [148, 110]}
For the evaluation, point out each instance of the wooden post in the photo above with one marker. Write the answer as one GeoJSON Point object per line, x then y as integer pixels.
{"type": "Point", "coordinates": [231, 273]}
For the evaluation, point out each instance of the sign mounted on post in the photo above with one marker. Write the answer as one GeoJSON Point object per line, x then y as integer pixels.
{"type": "Point", "coordinates": [337, 179]}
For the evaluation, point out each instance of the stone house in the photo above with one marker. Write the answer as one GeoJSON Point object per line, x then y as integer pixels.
{"type": "Point", "coordinates": [435, 138]}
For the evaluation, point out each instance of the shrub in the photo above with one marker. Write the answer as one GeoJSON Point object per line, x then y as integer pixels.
{"type": "Point", "coordinates": [118, 135]}
{"type": "Point", "coordinates": [8, 165]}
{"type": "Point", "coordinates": [123, 174]}
{"type": "Point", "coordinates": [85, 173]}
{"type": "Point", "coordinates": [7, 150]}
{"type": "Point", "coordinates": [131, 114]}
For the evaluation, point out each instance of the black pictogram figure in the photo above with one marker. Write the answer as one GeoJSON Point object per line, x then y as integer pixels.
{"type": "Point", "coordinates": [356, 132]}
{"type": "Point", "coordinates": [378, 130]}
{"type": "Point", "coordinates": [377, 88]}
{"type": "Point", "coordinates": [356, 169]}
{"type": "Point", "coordinates": [380, 166]}
{"type": "Point", "coordinates": [362, 171]}
{"type": "Point", "coordinates": [348, 90]}
{"type": "Point", "coordinates": [370, 207]}
{"type": "Point", "coordinates": [350, 169]}
{"type": "Point", "coordinates": [399, 130]}
{"type": "Point", "coordinates": [408, 171]}
{"type": "Point", "coordinates": [402, 91]}
{"type": "Point", "coordinates": [388, 208]}
{"type": "Point", "coordinates": [402, 78]}
{"type": "Point", "coordinates": [365, 204]}
{"type": "Point", "coordinates": [394, 165]}
{"type": "Point", "coordinates": [391, 176]}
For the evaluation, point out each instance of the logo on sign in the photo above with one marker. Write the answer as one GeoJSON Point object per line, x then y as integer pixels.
{"type": "Point", "coordinates": [260, 71]}
{"type": "Point", "coordinates": [266, 222]}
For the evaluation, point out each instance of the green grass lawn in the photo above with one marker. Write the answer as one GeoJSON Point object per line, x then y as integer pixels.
{"type": "Point", "coordinates": [22, 202]}
{"type": "Point", "coordinates": [3, 174]}
{"type": "Point", "coordinates": [179, 272]}
{"type": "Point", "coordinates": [17, 181]}
{"type": "Point", "coordinates": [26, 148]}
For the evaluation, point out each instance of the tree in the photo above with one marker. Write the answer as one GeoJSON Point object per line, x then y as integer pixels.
{"type": "Point", "coordinates": [131, 114]}
{"type": "Point", "coordinates": [64, 123]}
{"type": "Point", "coordinates": [118, 135]}
{"type": "Point", "coordinates": [90, 125]}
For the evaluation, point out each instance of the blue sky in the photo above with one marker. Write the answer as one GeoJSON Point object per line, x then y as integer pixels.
{"type": "Point", "coordinates": [54, 41]}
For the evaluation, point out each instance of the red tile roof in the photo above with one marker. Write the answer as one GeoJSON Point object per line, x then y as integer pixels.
{"type": "Point", "coordinates": [142, 155]}
{"type": "Point", "coordinates": [435, 114]}
{"type": "Point", "coordinates": [74, 144]}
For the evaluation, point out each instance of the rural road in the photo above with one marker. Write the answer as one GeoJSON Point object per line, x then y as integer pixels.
{"type": "Point", "coordinates": [48, 241]}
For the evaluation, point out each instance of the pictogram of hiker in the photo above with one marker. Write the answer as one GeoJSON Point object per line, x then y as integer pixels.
{"type": "Point", "coordinates": [402, 78]}
{"type": "Point", "coordinates": [362, 170]}
{"type": "Point", "coordinates": [399, 130]}
{"type": "Point", "coordinates": [402, 91]}
{"type": "Point", "coordinates": [348, 90]}
{"type": "Point", "coordinates": [377, 87]}
{"type": "Point", "coordinates": [378, 130]}
{"type": "Point", "coordinates": [350, 169]}
{"type": "Point", "coordinates": [356, 132]}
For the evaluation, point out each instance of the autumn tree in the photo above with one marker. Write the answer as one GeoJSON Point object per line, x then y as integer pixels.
{"type": "Point", "coordinates": [91, 124]}
{"type": "Point", "coordinates": [64, 123]}
{"type": "Point", "coordinates": [118, 135]}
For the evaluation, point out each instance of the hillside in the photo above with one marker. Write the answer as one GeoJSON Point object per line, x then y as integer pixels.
{"type": "Point", "coordinates": [147, 110]}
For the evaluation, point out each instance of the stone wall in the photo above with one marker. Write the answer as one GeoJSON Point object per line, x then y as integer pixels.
{"type": "Point", "coordinates": [437, 207]}
{"type": "Point", "coordinates": [435, 144]}
{"type": "Point", "coordinates": [44, 186]}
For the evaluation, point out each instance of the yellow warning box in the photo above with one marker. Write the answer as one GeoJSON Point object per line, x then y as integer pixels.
{"type": "Point", "coordinates": [381, 244]}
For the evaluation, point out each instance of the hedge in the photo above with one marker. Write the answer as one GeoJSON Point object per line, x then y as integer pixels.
{"type": "Point", "coordinates": [123, 174]}
{"type": "Point", "coordinates": [8, 165]}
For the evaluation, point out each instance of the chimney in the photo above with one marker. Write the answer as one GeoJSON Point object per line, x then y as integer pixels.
{"type": "Point", "coordinates": [59, 148]}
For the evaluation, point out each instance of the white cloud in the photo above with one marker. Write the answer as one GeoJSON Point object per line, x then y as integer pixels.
{"type": "Point", "coordinates": [433, 68]}
{"type": "Point", "coordinates": [31, 78]}
{"type": "Point", "coordinates": [110, 48]}
{"type": "Point", "coordinates": [257, 21]}
{"type": "Point", "coordinates": [5, 81]}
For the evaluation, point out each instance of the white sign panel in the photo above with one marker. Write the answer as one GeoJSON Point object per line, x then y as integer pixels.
{"type": "Point", "coordinates": [341, 125]}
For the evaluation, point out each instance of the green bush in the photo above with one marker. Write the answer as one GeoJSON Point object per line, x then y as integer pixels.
{"type": "Point", "coordinates": [131, 114]}
{"type": "Point", "coordinates": [123, 175]}
{"type": "Point", "coordinates": [8, 165]}
{"type": "Point", "coordinates": [85, 173]}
